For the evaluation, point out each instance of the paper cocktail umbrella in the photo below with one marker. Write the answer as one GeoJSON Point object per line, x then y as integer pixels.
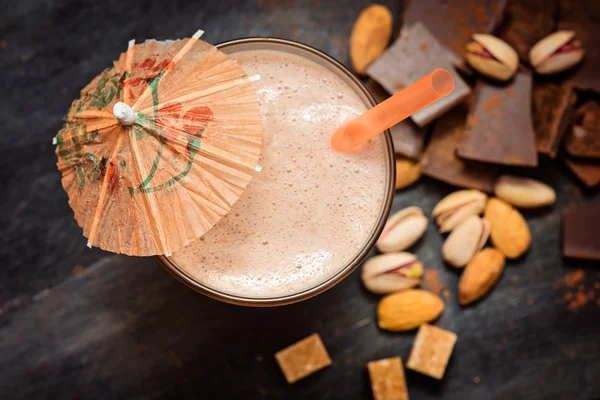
{"type": "Point", "coordinates": [159, 146]}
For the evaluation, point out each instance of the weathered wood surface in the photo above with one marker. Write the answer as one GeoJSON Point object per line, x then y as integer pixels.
{"type": "Point", "coordinates": [125, 328]}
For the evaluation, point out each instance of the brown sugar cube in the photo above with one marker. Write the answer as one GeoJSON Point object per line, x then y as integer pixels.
{"type": "Point", "coordinates": [431, 351]}
{"type": "Point", "coordinates": [387, 379]}
{"type": "Point", "coordinates": [303, 358]}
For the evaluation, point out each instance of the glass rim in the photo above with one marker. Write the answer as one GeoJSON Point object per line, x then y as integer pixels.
{"type": "Point", "coordinates": [359, 257]}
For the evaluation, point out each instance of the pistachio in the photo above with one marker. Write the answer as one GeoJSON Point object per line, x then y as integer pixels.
{"type": "Point", "coordinates": [389, 273]}
{"type": "Point", "coordinates": [480, 275]}
{"type": "Point", "coordinates": [407, 172]}
{"type": "Point", "coordinates": [466, 240]}
{"type": "Point", "coordinates": [508, 229]}
{"type": "Point", "coordinates": [556, 52]}
{"type": "Point", "coordinates": [524, 192]}
{"type": "Point", "coordinates": [402, 230]}
{"type": "Point", "coordinates": [458, 206]}
{"type": "Point", "coordinates": [492, 57]}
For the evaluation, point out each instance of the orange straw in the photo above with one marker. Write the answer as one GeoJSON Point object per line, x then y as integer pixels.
{"type": "Point", "coordinates": [400, 106]}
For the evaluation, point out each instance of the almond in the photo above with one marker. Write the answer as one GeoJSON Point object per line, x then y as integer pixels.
{"type": "Point", "coordinates": [480, 275]}
{"type": "Point", "coordinates": [508, 230]}
{"type": "Point", "coordinates": [408, 310]}
{"type": "Point", "coordinates": [464, 241]}
{"type": "Point", "coordinates": [407, 172]}
{"type": "Point", "coordinates": [524, 192]}
{"type": "Point", "coordinates": [370, 36]}
{"type": "Point", "coordinates": [402, 230]}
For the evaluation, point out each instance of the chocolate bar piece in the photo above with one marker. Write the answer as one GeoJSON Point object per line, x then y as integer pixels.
{"type": "Point", "coordinates": [387, 379]}
{"type": "Point", "coordinates": [583, 16]}
{"type": "Point", "coordinates": [584, 138]}
{"type": "Point", "coordinates": [413, 55]}
{"type": "Point", "coordinates": [519, 19]}
{"type": "Point", "coordinates": [431, 351]}
{"type": "Point", "coordinates": [581, 233]}
{"type": "Point", "coordinates": [454, 22]}
{"type": "Point", "coordinates": [441, 162]}
{"type": "Point", "coordinates": [499, 127]}
{"type": "Point", "coordinates": [586, 171]}
{"type": "Point", "coordinates": [303, 358]}
{"type": "Point", "coordinates": [553, 106]}
{"type": "Point", "coordinates": [408, 138]}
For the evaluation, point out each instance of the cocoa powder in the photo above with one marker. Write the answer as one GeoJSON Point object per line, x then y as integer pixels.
{"type": "Point", "coordinates": [578, 295]}
{"type": "Point", "coordinates": [431, 282]}
{"type": "Point", "coordinates": [492, 102]}
{"type": "Point", "coordinates": [573, 278]}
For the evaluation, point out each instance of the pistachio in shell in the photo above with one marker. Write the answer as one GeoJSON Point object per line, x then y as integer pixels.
{"type": "Point", "coordinates": [492, 57]}
{"type": "Point", "coordinates": [557, 52]}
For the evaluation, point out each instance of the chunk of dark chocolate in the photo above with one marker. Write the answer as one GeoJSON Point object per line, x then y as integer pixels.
{"type": "Point", "coordinates": [454, 22]}
{"type": "Point", "coordinates": [520, 18]}
{"type": "Point", "coordinates": [441, 162]}
{"type": "Point", "coordinates": [553, 106]}
{"type": "Point", "coordinates": [584, 138]}
{"type": "Point", "coordinates": [581, 233]}
{"type": "Point", "coordinates": [588, 172]}
{"type": "Point", "coordinates": [499, 127]}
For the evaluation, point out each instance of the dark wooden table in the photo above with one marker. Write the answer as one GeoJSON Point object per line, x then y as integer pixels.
{"type": "Point", "coordinates": [84, 324]}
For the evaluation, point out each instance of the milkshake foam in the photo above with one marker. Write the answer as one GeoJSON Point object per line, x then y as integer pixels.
{"type": "Point", "coordinates": [310, 210]}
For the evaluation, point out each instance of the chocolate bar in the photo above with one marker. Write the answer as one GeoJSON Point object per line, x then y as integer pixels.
{"type": "Point", "coordinates": [454, 22]}
{"type": "Point", "coordinates": [527, 22]}
{"type": "Point", "coordinates": [499, 127]}
{"type": "Point", "coordinates": [583, 16]}
{"type": "Point", "coordinates": [586, 171]}
{"type": "Point", "coordinates": [581, 233]}
{"type": "Point", "coordinates": [414, 54]}
{"type": "Point", "coordinates": [441, 162]}
{"type": "Point", "coordinates": [408, 138]}
{"type": "Point", "coordinates": [584, 138]}
{"type": "Point", "coordinates": [553, 106]}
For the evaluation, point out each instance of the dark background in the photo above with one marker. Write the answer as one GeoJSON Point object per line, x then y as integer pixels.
{"type": "Point", "coordinates": [83, 324]}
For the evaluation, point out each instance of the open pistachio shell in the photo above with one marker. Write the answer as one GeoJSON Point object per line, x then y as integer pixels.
{"type": "Point", "coordinates": [545, 57]}
{"type": "Point", "coordinates": [391, 273]}
{"type": "Point", "coordinates": [560, 62]}
{"type": "Point", "coordinates": [499, 49]}
{"type": "Point", "coordinates": [504, 61]}
{"type": "Point", "coordinates": [548, 46]}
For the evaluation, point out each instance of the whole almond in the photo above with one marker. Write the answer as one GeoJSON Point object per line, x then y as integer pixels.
{"type": "Point", "coordinates": [508, 230]}
{"type": "Point", "coordinates": [402, 230]}
{"type": "Point", "coordinates": [370, 36]}
{"type": "Point", "coordinates": [465, 240]}
{"type": "Point", "coordinates": [480, 275]}
{"type": "Point", "coordinates": [524, 192]}
{"type": "Point", "coordinates": [407, 172]}
{"type": "Point", "coordinates": [457, 207]}
{"type": "Point", "coordinates": [389, 273]}
{"type": "Point", "coordinates": [408, 310]}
